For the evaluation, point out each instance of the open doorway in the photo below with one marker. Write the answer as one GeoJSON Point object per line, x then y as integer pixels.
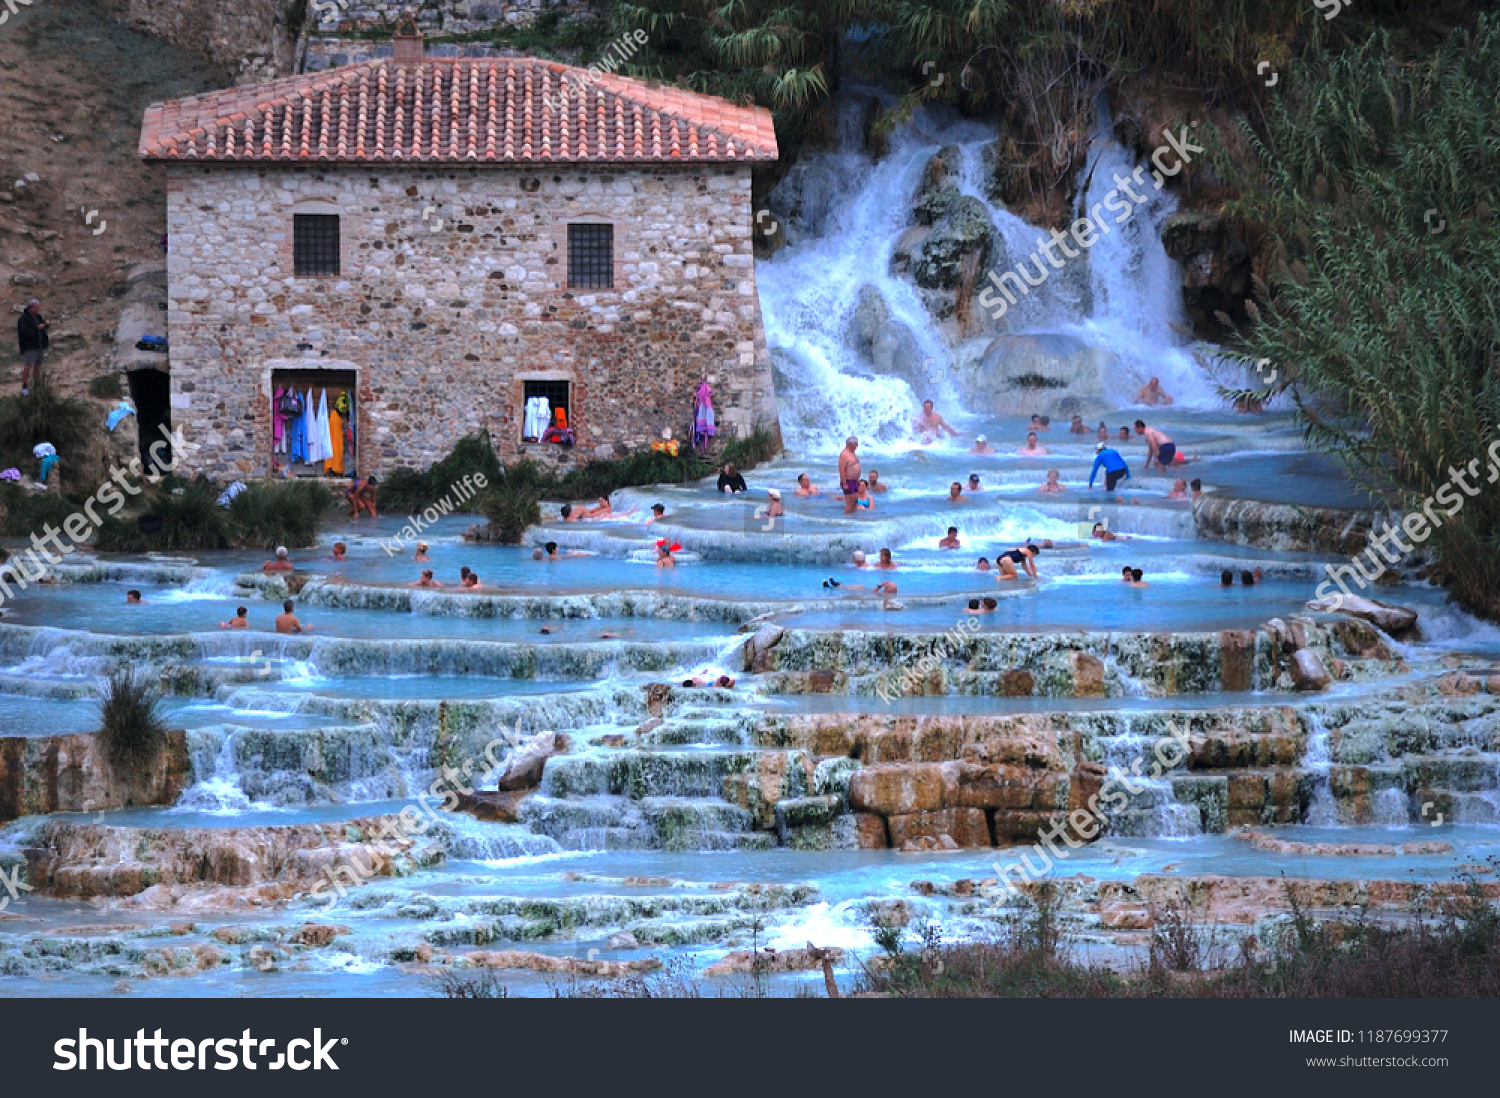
{"type": "Point", "coordinates": [151, 393]}
{"type": "Point", "coordinates": [314, 423]}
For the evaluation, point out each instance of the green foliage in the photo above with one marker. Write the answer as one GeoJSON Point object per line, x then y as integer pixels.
{"type": "Point", "coordinates": [105, 387]}
{"type": "Point", "coordinates": [1381, 321]}
{"type": "Point", "coordinates": [510, 507]}
{"type": "Point", "coordinates": [172, 521]}
{"type": "Point", "coordinates": [271, 513]}
{"type": "Point", "coordinates": [511, 502]}
{"type": "Point", "coordinates": [132, 731]}
{"type": "Point", "coordinates": [43, 416]}
{"type": "Point", "coordinates": [183, 516]}
{"type": "Point", "coordinates": [407, 491]}
{"type": "Point", "coordinates": [27, 514]}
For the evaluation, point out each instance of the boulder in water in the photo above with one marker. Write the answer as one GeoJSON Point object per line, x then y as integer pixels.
{"type": "Point", "coordinates": [1025, 374]}
{"type": "Point", "coordinates": [1385, 616]}
{"type": "Point", "coordinates": [963, 232]}
{"type": "Point", "coordinates": [758, 648]}
{"type": "Point", "coordinates": [1308, 672]}
{"type": "Point", "coordinates": [523, 769]}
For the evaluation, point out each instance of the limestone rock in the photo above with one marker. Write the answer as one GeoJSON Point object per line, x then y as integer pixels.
{"type": "Point", "coordinates": [1385, 616]}
{"type": "Point", "coordinates": [758, 648]}
{"type": "Point", "coordinates": [1308, 672]}
{"type": "Point", "coordinates": [771, 960]}
{"type": "Point", "coordinates": [523, 768]}
{"type": "Point", "coordinates": [316, 935]}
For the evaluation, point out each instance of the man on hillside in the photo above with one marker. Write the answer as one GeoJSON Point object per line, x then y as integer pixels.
{"type": "Point", "coordinates": [31, 333]}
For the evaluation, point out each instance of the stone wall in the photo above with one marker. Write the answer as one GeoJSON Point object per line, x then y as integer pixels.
{"type": "Point", "coordinates": [442, 318]}
{"type": "Point", "coordinates": [433, 16]}
{"type": "Point", "coordinates": [228, 34]}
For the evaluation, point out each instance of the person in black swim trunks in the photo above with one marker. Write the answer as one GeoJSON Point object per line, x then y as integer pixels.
{"type": "Point", "coordinates": [1159, 448]}
{"type": "Point", "coordinates": [1023, 557]}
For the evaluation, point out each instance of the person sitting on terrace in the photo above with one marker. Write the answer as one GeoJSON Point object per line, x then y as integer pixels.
{"type": "Point", "coordinates": [951, 541]}
{"type": "Point", "coordinates": [805, 486]}
{"type": "Point", "coordinates": [426, 580]}
{"type": "Point", "coordinates": [1053, 486]}
{"type": "Point", "coordinates": [361, 497]}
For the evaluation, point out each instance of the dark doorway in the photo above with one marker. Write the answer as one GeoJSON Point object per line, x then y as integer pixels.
{"type": "Point", "coordinates": [151, 393]}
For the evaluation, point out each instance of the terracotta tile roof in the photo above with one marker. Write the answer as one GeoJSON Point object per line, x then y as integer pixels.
{"type": "Point", "coordinates": [456, 110]}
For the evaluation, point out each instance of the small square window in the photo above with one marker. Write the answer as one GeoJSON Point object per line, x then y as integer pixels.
{"type": "Point", "coordinates": [535, 421]}
{"type": "Point", "coordinates": [315, 244]}
{"type": "Point", "coordinates": [591, 257]}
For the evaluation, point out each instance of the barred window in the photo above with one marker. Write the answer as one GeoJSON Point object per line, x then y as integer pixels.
{"type": "Point", "coordinates": [315, 244]}
{"type": "Point", "coordinates": [591, 256]}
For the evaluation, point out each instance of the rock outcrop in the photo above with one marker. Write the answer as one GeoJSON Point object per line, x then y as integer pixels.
{"type": "Point", "coordinates": [69, 773]}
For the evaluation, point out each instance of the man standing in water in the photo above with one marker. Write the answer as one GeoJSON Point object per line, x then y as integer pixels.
{"type": "Point", "coordinates": [849, 473]}
{"type": "Point", "coordinates": [930, 425]}
{"type": "Point", "coordinates": [1152, 393]}
{"type": "Point", "coordinates": [1115, 469]}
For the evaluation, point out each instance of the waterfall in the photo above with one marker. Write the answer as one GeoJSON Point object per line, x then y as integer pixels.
{"type": "Point", "coordinates": [844, 215]}
{"type": "Point", "coordinates": [1323, 812]}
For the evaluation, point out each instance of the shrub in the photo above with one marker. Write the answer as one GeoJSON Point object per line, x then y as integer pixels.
{"type": "Point", "coordinates": [132, 731]}
{"type": "Point", "coordinates": [27, 514]}
{"type": "Point", "coordinates": [408, 491]}
{"type": "Point", "coordinates": [469, 983]}
{"type": "Point", "coordinates": [269, 514]}
{"type": "Point", "coordinates": [170, 521]}
{"type": "Point", "coordinates": [510, 508]}
{"type": "Point", "coordinates": [106, 387]}
{"type": "Point", "coordinates": [43, 416]}
{"type": "Point", "coordinates": [1382, 326]}
{"type": "Point", "coordinates": [182, 516]}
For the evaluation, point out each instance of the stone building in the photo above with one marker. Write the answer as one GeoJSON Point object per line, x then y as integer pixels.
{"type": "Point", "coordinates": [443, 240]}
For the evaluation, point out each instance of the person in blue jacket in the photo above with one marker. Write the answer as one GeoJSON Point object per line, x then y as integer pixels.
{"type": "Point", "coordinates": [1115, 469]}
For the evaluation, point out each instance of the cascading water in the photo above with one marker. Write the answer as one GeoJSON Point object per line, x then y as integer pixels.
{"type": "Point", "coordinates": [847, 213]}
{"type": "Point", "coordinates": [1323, 812]}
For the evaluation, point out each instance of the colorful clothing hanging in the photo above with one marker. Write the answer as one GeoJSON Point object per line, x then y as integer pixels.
{"type": "Point", "coordinates": [335, 464]}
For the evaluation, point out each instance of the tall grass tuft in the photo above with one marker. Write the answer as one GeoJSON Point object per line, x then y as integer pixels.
{"type": "Point", "coordinates": [268, 514]}
{"type": "Point", "coordinates": [408, 492]}
{"type": "Point", "coordinates": [132, 731]}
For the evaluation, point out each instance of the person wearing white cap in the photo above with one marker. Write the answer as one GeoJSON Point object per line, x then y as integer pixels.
{"type": "Point", "coordinates": [981, 446]}
{"type": "Point", "coordinates": [774, 508]}
{"type": "Point", "coordinates": [282, 563]}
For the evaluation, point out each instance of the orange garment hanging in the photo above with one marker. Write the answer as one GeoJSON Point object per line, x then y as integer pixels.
{"type": "Point", "coordinates": [335, 464]}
